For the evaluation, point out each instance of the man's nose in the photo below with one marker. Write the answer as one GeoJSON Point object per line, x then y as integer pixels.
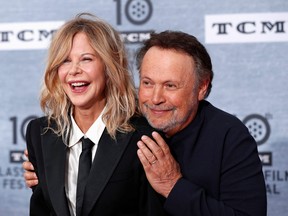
{"type": "Point", "coordinates": [158, 95]}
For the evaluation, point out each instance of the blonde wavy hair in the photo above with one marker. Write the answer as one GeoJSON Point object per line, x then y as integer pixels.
{"type": "Point", "coordinates": [120, 90]}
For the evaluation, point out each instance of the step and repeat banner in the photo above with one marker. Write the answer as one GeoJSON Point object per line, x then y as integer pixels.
{"type": "Point", "coordinates": [247, 40]}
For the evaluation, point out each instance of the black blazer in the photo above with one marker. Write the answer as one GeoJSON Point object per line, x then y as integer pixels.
{"type": "Point", "coordinates": [116, 185]}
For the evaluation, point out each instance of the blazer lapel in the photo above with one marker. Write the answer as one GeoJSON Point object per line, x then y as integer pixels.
{"type": "Point", "coordinates": [107, 157]}
{"type": "Point", "coordinates": [54, 154]}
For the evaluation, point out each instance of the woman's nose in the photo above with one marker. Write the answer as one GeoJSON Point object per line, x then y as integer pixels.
{"type": "Point", "coordinates": [74, 69]}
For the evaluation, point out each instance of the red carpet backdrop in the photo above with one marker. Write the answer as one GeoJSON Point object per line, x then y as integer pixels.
{"type": "Point", "coordinates": [247, 40]}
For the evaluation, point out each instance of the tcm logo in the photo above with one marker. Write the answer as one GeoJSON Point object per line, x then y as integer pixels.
{"type": "Point", "coordinates": [259, 128]}
{"type": "Point", "coordinates": [17, 156]}
{"type": "Point", "coordinates": [246, 28]}
{"type": "Point", "coordinates": [137, 12]}
{"type": "Point", "coordinates": [266, 158]}
{"type": "Point", "coordinates": [30, 35]}
{"type": "Point", "coordinates": [132, 37]}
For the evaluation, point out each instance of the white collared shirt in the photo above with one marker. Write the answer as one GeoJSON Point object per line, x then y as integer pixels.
{"type": "Point", "coordinates": [75, 148]}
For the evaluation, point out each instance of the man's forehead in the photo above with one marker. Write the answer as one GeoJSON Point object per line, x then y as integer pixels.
{"type": "Point", "coordinates": [183, 79]}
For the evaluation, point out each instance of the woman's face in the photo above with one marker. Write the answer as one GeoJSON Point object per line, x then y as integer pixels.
{"type": "Point", "coordinates": [82, 75]}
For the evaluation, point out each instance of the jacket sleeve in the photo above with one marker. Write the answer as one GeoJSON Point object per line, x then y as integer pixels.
{"type": "Point", "coordinates": [150, 202]}
{"type": "Point", "coordinates": [30, 148]}
{"type": "Point", "coordinates": [242, 189]}
{"type": "Point", "coordinates": [37, 202]}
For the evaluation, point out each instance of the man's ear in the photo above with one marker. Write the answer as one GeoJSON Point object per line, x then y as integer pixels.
{"type": "Point", "coordinates": [202, 90]}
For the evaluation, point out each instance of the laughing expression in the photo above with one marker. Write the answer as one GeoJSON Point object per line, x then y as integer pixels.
{"type": "Point", "coordinates": [82, 75]}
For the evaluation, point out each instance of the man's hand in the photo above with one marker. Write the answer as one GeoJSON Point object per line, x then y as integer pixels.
{"type": "Point", "coordinates": [161, 169]}
{"type": "Point", "coordinates": [29, 174]}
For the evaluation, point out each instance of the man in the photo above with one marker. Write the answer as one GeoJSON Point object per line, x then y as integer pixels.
{"type": "Point", "coordinates": [210, 165]}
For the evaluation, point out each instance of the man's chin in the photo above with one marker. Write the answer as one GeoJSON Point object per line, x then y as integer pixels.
{"type": "Point", "coordinates": [157, 125]}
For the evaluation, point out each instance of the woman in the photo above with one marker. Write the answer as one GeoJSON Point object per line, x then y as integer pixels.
{"type": "Point", "coordinates": [88, 92]}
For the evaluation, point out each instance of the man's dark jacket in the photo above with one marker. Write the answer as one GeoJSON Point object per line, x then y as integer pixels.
{"type": "Point", "coordinates": [222, 172]}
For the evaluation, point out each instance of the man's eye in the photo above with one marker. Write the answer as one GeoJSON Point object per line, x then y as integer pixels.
{"type": "Point", "coordinates": [170, 86]}
{"type": "Point", "coordinates": [146, 83]}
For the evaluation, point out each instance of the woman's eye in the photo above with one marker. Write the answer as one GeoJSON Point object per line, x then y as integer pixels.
{"type": "Point", "coordinates": [86, 58]}
{"type": "Point", "coordinates": [66, 61]}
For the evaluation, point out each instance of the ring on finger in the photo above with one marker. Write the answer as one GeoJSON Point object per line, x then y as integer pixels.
{"type": "Point", "coordinates": [153, 162]}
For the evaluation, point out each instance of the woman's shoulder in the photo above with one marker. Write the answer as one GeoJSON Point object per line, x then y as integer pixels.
{"type": "Point", "coordinates": [40, 121]}
{"type": "Point", "coordinates": [140, 124]}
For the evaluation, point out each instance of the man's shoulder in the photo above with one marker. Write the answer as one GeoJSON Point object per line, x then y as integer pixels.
{"type": "Point", "coordinates": [215, 114]}
{"type": "Point", "coordinates": [220, 123]}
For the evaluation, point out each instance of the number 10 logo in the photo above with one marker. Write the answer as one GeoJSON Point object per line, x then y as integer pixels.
{"type": "Point", "coordinates": [137, 12]}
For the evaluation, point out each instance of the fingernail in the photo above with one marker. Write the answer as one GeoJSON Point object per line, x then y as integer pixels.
{"type": "Point", "coordinates": [154, 133]}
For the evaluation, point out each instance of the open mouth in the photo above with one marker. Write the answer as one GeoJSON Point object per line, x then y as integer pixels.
{"type": "Point", "coordinates": [78, 85]}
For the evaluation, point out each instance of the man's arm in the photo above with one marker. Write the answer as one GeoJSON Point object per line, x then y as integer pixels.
{"type": "Point", "coordinates": [242, 185]}
{"type": "Point", "coordinates": [29, 174]}
{"type": "Point", "coordinates": [161, 169]}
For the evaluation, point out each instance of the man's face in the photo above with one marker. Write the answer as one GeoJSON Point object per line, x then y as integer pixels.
{"type": "Point", "coordinates": [169, 93]}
